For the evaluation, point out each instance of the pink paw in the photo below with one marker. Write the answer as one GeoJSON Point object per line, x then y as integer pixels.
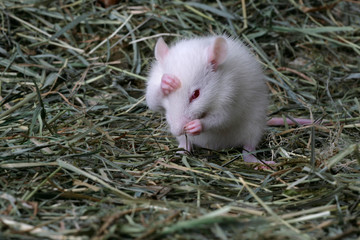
{"type": "Point", "coordinates": [263, 166]}
{"type": "Point", "coordinates": [194, 127]}
{"type": "Point", "coordinates": [249, 157]}
{"type": "Point", "coordinates": [169, 84]}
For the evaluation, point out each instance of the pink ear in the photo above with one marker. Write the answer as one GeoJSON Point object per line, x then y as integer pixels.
{"type": "Point", "coordinates": [217, 52]}
{"type": "Point", "coordinates": [161, 50]}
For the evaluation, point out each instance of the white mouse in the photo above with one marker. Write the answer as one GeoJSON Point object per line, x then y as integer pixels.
{"type": "Point", "coordinates": [212, 91]}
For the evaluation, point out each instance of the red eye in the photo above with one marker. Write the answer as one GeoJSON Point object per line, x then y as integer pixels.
{"type": "Point", "coordinates": [195, 95]}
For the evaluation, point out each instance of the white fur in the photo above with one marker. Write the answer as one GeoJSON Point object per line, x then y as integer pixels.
{"type": "Point", "coordinates": [234, 98]}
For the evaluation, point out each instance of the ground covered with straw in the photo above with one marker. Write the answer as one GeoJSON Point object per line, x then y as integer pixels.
{"type": "Point", "coordinates": [81, 156]}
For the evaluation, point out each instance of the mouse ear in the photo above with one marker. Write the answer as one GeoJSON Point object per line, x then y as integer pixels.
{"type": "Point", "coordinates": [161, 50]}
{"type": "Point", "coordinates": [217, 52]}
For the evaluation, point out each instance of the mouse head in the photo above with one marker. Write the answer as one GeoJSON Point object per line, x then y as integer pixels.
{"type": "Point", "coordinates": [191, 78]}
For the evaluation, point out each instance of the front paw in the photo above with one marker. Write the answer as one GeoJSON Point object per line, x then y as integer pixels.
{"type": "Point", "coordinates": [194, 127]}
{"type": "Point", "coordinates": [169, 84]}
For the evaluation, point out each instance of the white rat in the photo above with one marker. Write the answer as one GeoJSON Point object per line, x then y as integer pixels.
{"type": "Point", "coordinates": [213, 92]}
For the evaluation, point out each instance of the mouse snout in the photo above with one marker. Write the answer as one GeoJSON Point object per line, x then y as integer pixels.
{"type": "Point", "coordinates": [177, 126]}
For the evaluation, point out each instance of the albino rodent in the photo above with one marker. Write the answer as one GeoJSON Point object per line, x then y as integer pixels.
{"type": "Point", "coordinates": [213, 92]}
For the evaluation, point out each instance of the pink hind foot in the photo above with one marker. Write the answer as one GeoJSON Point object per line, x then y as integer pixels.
{"type": "Point", "coordinates": [194, 127]}
{"type": "Point", "coordinates": [169, 84]}
{"type": "Point", "coordinates": [249, 157]}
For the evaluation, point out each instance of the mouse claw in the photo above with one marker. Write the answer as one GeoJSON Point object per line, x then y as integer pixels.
{"type": "Point", "coordinates": [194, 127]}
{"type": "Point", "coordinates": [169, 84]}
